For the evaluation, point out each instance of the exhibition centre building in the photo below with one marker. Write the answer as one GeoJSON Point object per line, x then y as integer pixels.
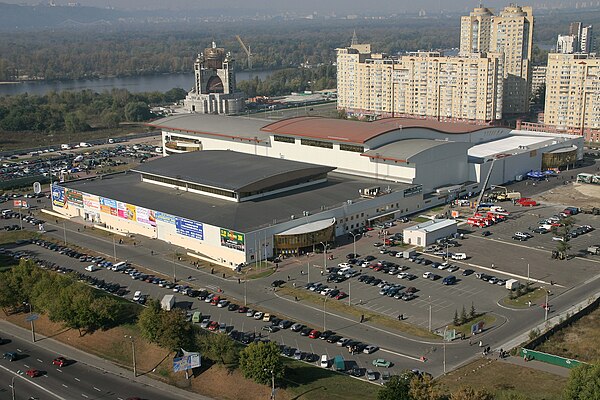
{"type": "Point", "coordinates": [236, 190]}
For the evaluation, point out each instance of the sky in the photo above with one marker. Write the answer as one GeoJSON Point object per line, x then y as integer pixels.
{"type": "Point", "coordinates": [339, 7]}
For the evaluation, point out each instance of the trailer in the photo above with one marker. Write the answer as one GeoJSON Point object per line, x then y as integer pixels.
{"type": "Point", "coordinates": [513, 284]}
{"type": "Point", "coordinates": [339, 364]}
{"type": "Point", "coordinates": [595, 250]}
{"type": "Point", "coordinates": [168, 302]}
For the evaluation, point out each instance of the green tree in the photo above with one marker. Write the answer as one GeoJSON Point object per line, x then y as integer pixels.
{"type": "Point", "coordinates": [219, 348]}
{"type": "Point", "coordinates": [176, 332]}
{"type": "Point", "coordinates": [149, 321]}
{"type": "Point", "coordinates": [75, 122]}
{"type": "Point", "coordinates": [397, 388]}
{"type": "Point", "coordinates": [455, 320]}
{"type": "Point", "coordinates": [463, 316]}
{"type": "Point", "coordinates": [137, 111]}
{"type": "Point", "coordinates": [472, 311]}
{"type": "Point", "coordinates": [468, 393]}
{"type": "Point", "coordinates": [424, 388]}
{"type": "Point", "coordinates": [583, 383]}
{"type": "Point", "coordinates": [563, 246]}
{"type": "Point", "coordinates": [259, 360]}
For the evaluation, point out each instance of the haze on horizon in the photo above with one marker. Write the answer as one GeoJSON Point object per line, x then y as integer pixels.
{"type": "Point", "coordinates": [339, 7]}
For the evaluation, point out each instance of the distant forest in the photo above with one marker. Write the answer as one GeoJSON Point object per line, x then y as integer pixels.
{"type": "Point", "coordinates": [155, 48]}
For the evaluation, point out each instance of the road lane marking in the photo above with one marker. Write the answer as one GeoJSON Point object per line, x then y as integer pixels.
{"type": "Point", "coordinates": [40, 360]}
{"type": "Point", "coordinates": [32, 383]}
{"type": "Point", "coordinates": [59, 370]}
{"type": "Point", "coordinates": [19, 350]}
{"type": "Point", "coordinates": [99, 390]}
{"type": "Point", "coordinates": [78, 380]}
{"type": "Point", "coordinates": [26, 366]}
{"type": "Point", "coordinates": [85, 395]}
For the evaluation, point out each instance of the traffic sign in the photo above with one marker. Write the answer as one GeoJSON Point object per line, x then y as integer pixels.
{"type": "Point", "coordinates": [32, 317]}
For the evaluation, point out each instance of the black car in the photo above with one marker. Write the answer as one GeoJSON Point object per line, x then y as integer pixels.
{"type": "Point", "coordinates": [202, 295]}
{"type": "Point", "coordinates": [352, 255]}
{"type": "Point", "coordinates": [285, 324]}
{"type": "Point", "coordinates": [233, 307]}
{"type": "Point", "coordinates": [486, 233]}
{"type": "Point", "coordinates": [305, 331]}
{"type": "Point", "coordinates": [277, 283]}
{"type": "Point", "coordinates": [467, 272]}
{"type": "Point", "coordinates": [370, 258]}
{"type": "Point", "coordinates": [325, 334]}
{"type": "Point", "coordinates": [333, 338]}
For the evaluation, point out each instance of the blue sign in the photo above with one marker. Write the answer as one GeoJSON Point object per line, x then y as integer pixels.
{"type": "Point", "coordinates": [164, 217]}
{"type": "Point", "coordinates": [108, 202]}
{"type": "Point", "coordinates": [192, 360]}
{"type": "Point", "coordinates": [58, 196]}
{"type": "Point", "coordinates": [189, 228]}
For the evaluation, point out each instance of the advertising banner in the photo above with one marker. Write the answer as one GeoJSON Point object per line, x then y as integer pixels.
{"type": "Point", "coordinates": [91, 202]}
{"type": "Point", "coordinates": [231, 239]}
{"type": "Point", "coordinates": [58, 196]}
{"type": "Point", "coordinates": [164, 217]}
{"type": "Point", "coordinates": [146, 216]}
{"type": "Point", "coordinates": [108, 206]}
{"type": "Point", "coordinates": [188, 361]}
{"type": "Point", "coordinates": [75, 198]}
{"type": "Point", "coordinates": [121, 210]}
{"type": "Point", "coordinates": [131, 212]}
{"type": "Point", "coordinates": [189, 228]}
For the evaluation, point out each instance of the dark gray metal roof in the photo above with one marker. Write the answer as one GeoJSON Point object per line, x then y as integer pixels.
{"type": "Point", "coordinates": [230, 170]}
{"type": "Point", "coordinates": [215, 125]}
{"type": "Point", "coordinates": [242, 217]}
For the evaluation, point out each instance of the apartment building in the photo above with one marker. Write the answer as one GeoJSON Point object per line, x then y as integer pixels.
{"type": "Point", "coordinates": [424, 84]}
{"type": "Point", "coordinates": [476, 31]}
{"type": "Point", "coordinates": [573, 94]}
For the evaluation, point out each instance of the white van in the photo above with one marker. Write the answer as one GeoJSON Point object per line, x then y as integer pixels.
{"type": "Point", "coordinates": [120, 266]}
{"type": "Point", "coordinates": [324, 361]}
{"type": "Point", "coordinates": [91, 268]}
{"type": "Point", "coordinates": [459, 256]}
{"type": "Point", "coordinates": [65, 147]}
{"type": "Point", "coordinates": [137, 295]}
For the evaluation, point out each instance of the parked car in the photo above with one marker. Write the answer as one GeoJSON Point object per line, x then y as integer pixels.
{"type": "Point", "coordinates": [381, 362]}
{"type": "Point", "coordinates": [59, 362]}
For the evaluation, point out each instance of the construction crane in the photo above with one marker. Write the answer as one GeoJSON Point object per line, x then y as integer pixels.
{"type": "Point", "coordinates": [485, 183]}
{"type": "Point", "coordinates": [247, 50]}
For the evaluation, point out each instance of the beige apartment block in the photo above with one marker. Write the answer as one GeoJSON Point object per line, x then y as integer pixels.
{"type": "Point", "coordinates": [423, 84]}
{"type": "Point", "coordinates": [476, 31]}
{"type": "Point", "coordinates": [573, 94]}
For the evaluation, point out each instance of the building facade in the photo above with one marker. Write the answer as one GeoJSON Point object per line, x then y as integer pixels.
{"type": "Point", "coordinates": [476, 31]}
{"type": "Point", "coordinates": [214, 90]}
{"type": "Point", "coordinates": [424, 84]}
{"type": "Point", "coordinates": [573, 94]}
{"type": "Point", "coordinates": [579, 40]}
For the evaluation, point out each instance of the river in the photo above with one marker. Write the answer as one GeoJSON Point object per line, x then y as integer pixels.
{"type": "Point", "coordinates": [134, 84]}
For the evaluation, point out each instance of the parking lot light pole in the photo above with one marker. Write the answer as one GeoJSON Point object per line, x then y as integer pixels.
{"type": "Point", "coordinates": [65, 232]}
{"type": "Point", "coordinates": [114, 249]}
{"type": "Point", "coordinates": [354, 239]}
{"type": "Point", "coordinates": [429, 313]}
{"type": "Point", "coordinates": [527, 275]}
{"type": "Point", "coordinates": [324, 256]}
{"type": "Point", "coordinates": [324, 302]}
{"type": "Point", "coordinates": [132, 339]}
{"type": "Point", "coordinates": [12, 386]}
{"type": "Point", "coordinates": [546, 307]}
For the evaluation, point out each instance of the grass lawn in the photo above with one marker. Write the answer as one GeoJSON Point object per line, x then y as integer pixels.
{"type": "Point", "coordinates": [466, 327]}
{"type": "Point", "coordinates": [578, 341]}
{"type": "Point", "coordinates": [7, 237]}
{"type": "Point", "coordinates": [304, 382]}
{"type": "Point", "coordinates": [343, 307]}
{"type": "Point", "coordinates": [523, 301]}
{"type": "Point", "coordinates": [504, 379]}
{"type": "Point", "coordinates": [420, 219]}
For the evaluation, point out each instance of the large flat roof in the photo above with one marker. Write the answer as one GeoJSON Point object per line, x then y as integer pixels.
{"type": "Point", "coordinates": [242, 217]}
{"type": "Point", "coordinates": [509, 145]}
{"type": "Point", "coordinates": [214, 125]}
{"type": "Point", "coordinates": [360, 132]}
{"type": "Point", "coordinates": [230, 170]}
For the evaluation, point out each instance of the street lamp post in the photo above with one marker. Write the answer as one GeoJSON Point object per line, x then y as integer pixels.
{"type": "Point", "coordinates": [528, 275]}
{"type": "Point", "coordinates": [65, 232]}
{"type": "Point", "coordinates": [429, 313]}
{"type": "Point", "coordinates": [546, 307]}
{"type": "Point", "coordinates": [114, 248]}
{"type": "Point", "coordinates": [354, 239]}
{"type": "Point", "coordinates": [12, 386]}
{"type": "Point", "coordinates": [245, 286]}
{"type": "Point", "coordinates": [324, 256]}
{"type": "Point", "coordinates": [324, 314]}
{"type": "Point", "coordinates": [132, 339]}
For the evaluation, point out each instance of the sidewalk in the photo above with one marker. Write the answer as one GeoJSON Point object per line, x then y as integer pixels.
{"type": "Point", "coordinates": [96, 362]}
{"type": "Point", "coordinates": [537, 365]}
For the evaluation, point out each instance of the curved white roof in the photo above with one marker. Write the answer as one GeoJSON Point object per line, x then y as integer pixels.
{"type": "Point", "coordinates": [309, 227]}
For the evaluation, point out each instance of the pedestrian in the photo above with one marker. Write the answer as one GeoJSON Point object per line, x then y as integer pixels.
{"type": "Point", "coordinates": [212, 271]}
{"type": "Point", "coordinates": [500, 353]}
{"type": "Point", "coordinates": [321, 272]}
{"type": "Point", "coordinates": [151, 252]}
{"type": "Point", "coordinates": [120, 241]}
{"type": "Point", "coordinates": [134, 244]}
{"type": "Point", "coordinates": [294, 284]}
{"type": "Point", "coordinates": [289, 278]}
{"type": "Point", "coordinates": [223, 274]}
{"type": "Point", "coordinates": [296, 298]}
{"type": "Point", "coordinates": [362, 318]}
{"type": "Point", "coordinates": [480, 343]}
{"type": "Point", "coordinates": [239, 281]}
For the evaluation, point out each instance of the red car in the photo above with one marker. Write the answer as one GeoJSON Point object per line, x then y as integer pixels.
{"type": "Point", "coordinates": [314, 334]}
{"type": "Point", "coordinates": [59, 361]}
{"type": "Point", "coordinates": [341, 295]}
{"type": "Point", "coordinates": [215, 300]}
{"type": "Point", "coordinates": [32, 373]}
{"type": "Point", "coordinates": [213, 326]}
{"type": "Point", "coordinates": [243, 309]}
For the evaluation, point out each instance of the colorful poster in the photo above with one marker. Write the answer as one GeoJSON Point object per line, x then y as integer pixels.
{"type": "Point", "coordinates": [108, 206]}
{"type": "Point", "coordinates": [164, 217]}
{"type": "Point", "coordinates": [131, 212]}
{"type": "Point", "coordinates": [58, 196]}
{"type": "Point", "coordinates": [189, 228]}
{"type": "Point", "coordinates": [233, 240]}
{"type": "Point", "coordinates": [91, 202]}
{"type": "Point", "coordinates": [75, 198]}
{"type": "Point", "coordinates": [121, 210]}
{"type": "Point", "coordinates": [145, 216]}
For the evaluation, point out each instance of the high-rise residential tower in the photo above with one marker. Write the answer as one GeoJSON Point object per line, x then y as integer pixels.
{"type": "Point", "coordinates": [475, 31]}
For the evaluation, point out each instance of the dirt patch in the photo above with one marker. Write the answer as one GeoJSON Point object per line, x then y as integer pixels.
{"type": "Point", "coordinates": [583, 195]}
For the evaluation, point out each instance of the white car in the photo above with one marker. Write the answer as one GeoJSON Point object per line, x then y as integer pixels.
{"type": "Point", "coordinates": [137, 295]}
{"type": "Point", "coordinates": [402, 275]}
{"type": "Point", "coordinates": [324, 361]}
{"type": "Point", "coordinates": [427, 275]}
{"type": "Point", "coordinates": [258, 315]}
{"type": "Point", "coordinates": [399, 254]}
{"type": "Point", "coordinates": [558, 239]}
{"type": "Point", "coordinates": [370, 349]}
{"type": "Point", "coordinates": [344, 265]}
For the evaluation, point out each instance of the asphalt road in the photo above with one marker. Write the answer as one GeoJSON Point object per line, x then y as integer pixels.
{"type": "Point", "coordinates": [76, 380]}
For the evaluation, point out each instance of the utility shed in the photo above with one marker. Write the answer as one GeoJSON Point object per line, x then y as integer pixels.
{"type": "Point", "coordinates": [428, 232]}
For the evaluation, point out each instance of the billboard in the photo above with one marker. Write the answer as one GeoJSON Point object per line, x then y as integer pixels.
{"type": "Point", "coordinates": [75, 198]}
{"type": "Point", "coordinates": [188, 361]}
{"type": "Point", "coordinates": [108, 206]}
{"type": "Point", "coordinates": [231, 239]}
{"type": "Point", "coordinates": [91, 202]}
{"type": "Point", "coordinates": [164, 217]}
{"type": "Point", "coordinates": [189, 228]}
{"type": "Point", "coordinates": [58, 196]}
{"type": "Point", "coordinates": [145, 216]}
{"type": "Point", "coordinates": [131, 212]}
{"type": "Point", "coordinates": [121, 210]}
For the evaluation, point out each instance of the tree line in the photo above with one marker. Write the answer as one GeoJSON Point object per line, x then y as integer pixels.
{"type": "Point", "coordinates": [289, 80]}
{"type": "Point", "coordinates": [61, 297]}
{"type": "Point", "coordinates": [71, 111]}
